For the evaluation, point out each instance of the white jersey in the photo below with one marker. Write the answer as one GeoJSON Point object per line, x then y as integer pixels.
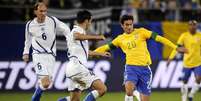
{"type": "Point", "coordinates": [42, 36]}
{"type": "Point", "coordinates": [78, 48]}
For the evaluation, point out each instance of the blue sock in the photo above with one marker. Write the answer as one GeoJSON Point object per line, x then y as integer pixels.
{"type": "Point", "coordinates": [190, 99]}
{"type": "Point", "coordinates": [62, 99]}
{"type": "Point", "coordinates": [89, 97]}
{"type": "Point", "coordinates": [37, 94]}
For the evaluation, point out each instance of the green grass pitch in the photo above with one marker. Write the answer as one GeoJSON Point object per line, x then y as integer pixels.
{"type": "Point", "coordinates": [118, 96]}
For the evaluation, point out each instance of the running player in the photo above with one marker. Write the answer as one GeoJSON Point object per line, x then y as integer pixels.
{"type": "Point", "coordinates": [40, 33]}
{"type": "Point", "coordinates": [137, 73]}
{"type": "Point", "coordinates": [191, 40]}
{"type": "Point", "coordinates": [78, 52]}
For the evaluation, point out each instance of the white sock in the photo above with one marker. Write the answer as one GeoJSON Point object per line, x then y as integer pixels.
{"type": "Point", "coordinates": [95, 93]}
{"type": "Point", "coordinates": [184, 92]}
{"type": "Point", "coordinates": [68, 98]}
{"type": "Point", "coordinates": [128, 98]}
{"type": "Point", "coordinates": [194, 89]}
{"type": "Point", "coordinates": [137, 95]}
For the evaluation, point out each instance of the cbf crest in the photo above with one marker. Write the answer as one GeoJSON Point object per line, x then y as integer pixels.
{"type": "Point", "coordinates": [136, 36]}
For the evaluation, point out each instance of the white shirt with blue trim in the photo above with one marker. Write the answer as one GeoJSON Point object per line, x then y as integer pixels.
{"type": "Point", "coordinates": [78, 48]}
{"type": "Point", "coordinates": [42, 36]}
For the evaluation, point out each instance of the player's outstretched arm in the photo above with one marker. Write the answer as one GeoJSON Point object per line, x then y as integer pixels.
{"type": "Point", "coordinates": [170, 44]}
{"type": "Point", "coordinates": [171, 57]}
{"type": "Point", "coordinates": [103, 54]}
{"type": "Point", "coordinates": [79, 36]}
{"type": "Point", "coordinates": [102, 49]}
{"type": "Point", "coordinates": [180, 43]}
{"type": "Point", "coordinates": [106, 47]}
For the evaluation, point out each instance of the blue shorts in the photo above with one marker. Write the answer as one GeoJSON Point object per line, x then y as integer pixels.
{"type": "Point", "coordinates": [186, 72]}
{"type": "Point", "coordinates": [141, 76]}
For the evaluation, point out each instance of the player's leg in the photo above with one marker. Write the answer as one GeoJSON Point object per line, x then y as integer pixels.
{"type": "Point", "coordinates": [99, 89]}
{"type": "Point", "coordinates": [74, 96]}
{"type": "Point", "coordinates": [144, 83]}
{"type": "Point", "coordinates": [75, 92]}
{"type": "Point", "coordinates": [43, 84]}
{"type": "Point", "coordinates": [43, 65]}
{"type": "Point", "coordinates": [186, 72]}
{"type": "Point", "coordinates": [195, 88]}
{"type": "Point", "coordinates": [129, 88]}
{"type": "Point", "coordinates": [130, 81]}
{"type": "Point", "coordinates": [72, 71]}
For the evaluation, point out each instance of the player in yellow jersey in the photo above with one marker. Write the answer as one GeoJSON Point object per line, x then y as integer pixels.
{"type": "Point", "coordinates": [191, 40]}
{"type": "Point", "coordinates": [137, 74]}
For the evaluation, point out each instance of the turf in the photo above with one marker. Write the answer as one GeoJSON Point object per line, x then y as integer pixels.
{"type": "Point", "coordinates": [119, 96]}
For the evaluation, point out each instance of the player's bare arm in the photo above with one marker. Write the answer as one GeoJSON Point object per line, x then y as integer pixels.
{"type": "Point", "coordinates": [79, 36]}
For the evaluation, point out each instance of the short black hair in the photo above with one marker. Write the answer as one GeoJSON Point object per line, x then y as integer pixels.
{"type": "Point", "coordinates": [126, 17]}
{"type": "Point", "coordinates": [83, 15]}
{"type": "Point", "coordinates": [192, 22]}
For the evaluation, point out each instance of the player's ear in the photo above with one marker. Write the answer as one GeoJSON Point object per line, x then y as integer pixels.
{"type": "Point", "coordinates": [86, 21]}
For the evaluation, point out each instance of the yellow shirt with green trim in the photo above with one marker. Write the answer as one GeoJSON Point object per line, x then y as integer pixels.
{"type": "Point", "coordinates": [193, 44]}
{"type": "Point", "coordinates": [135, 47]}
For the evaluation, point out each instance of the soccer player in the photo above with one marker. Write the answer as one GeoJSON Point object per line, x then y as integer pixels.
{"type": "Point", "coordinates": [191, 40]}
{"type": "Point", "coordinates": [78, 52]}
{"type": "Point", "coordinates": [40, 33]}
{"type": "Point", "coordinates": [137, 74]}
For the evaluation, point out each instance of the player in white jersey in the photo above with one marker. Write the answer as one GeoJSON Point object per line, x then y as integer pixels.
{"type": "Point", "coordinates": [40, 33]}
{"type": "Point", "coordinates": [78, 51]}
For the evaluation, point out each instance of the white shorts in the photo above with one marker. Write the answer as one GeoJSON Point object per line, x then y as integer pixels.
{"type": "Point", "coordinates": [44, 64]}
{"type": "Point", "coordinates": [79, 76]}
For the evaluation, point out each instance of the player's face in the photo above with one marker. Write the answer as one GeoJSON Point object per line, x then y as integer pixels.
{"type": "Point", "coordinates": [88, 23]}
{"type": "Point", "coordinates": [127, 26]}
{"type": "Point", "coordinates": [193, 27]}
{"type": "Point", "coordinates": [41, 11]}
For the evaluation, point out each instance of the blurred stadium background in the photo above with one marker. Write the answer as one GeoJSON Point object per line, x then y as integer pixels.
{"type": "Point", "coordinates": [167, 17]}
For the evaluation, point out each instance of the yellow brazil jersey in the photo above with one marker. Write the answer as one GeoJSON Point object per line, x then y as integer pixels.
{"type": "Point", "coordinates": [193, 44]}
{"type": "Point", "coordinates": [134, 46]}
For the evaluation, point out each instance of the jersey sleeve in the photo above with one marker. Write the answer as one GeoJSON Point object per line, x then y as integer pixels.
{"type": "Point", "coordinates": [62, 27]}
{"type": "Point", "coordinates": [146, 33]}
{"type": "Point", "coordinates": [179, 43]}
{"type": "Point", "coordinates": [116, 42]}
{"type": "Point", "coordinates": [165, 41]}
{"type": "Point", "coordinates": [28, 39]}
{"type": "Point", "coordinates": [109, 46]}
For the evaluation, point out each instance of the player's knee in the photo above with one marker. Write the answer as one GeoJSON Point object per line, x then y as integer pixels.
{"type": "Point", "coordinates": [45, 83]}
{"type": "Point", "coordinates": [74, 98]}
{"type": "Point", "coordinates": [129, 87]}
{"type": "Point", "coordinates": [129, 93]}
{"type": "Point", "coordinates": [102, 91]}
